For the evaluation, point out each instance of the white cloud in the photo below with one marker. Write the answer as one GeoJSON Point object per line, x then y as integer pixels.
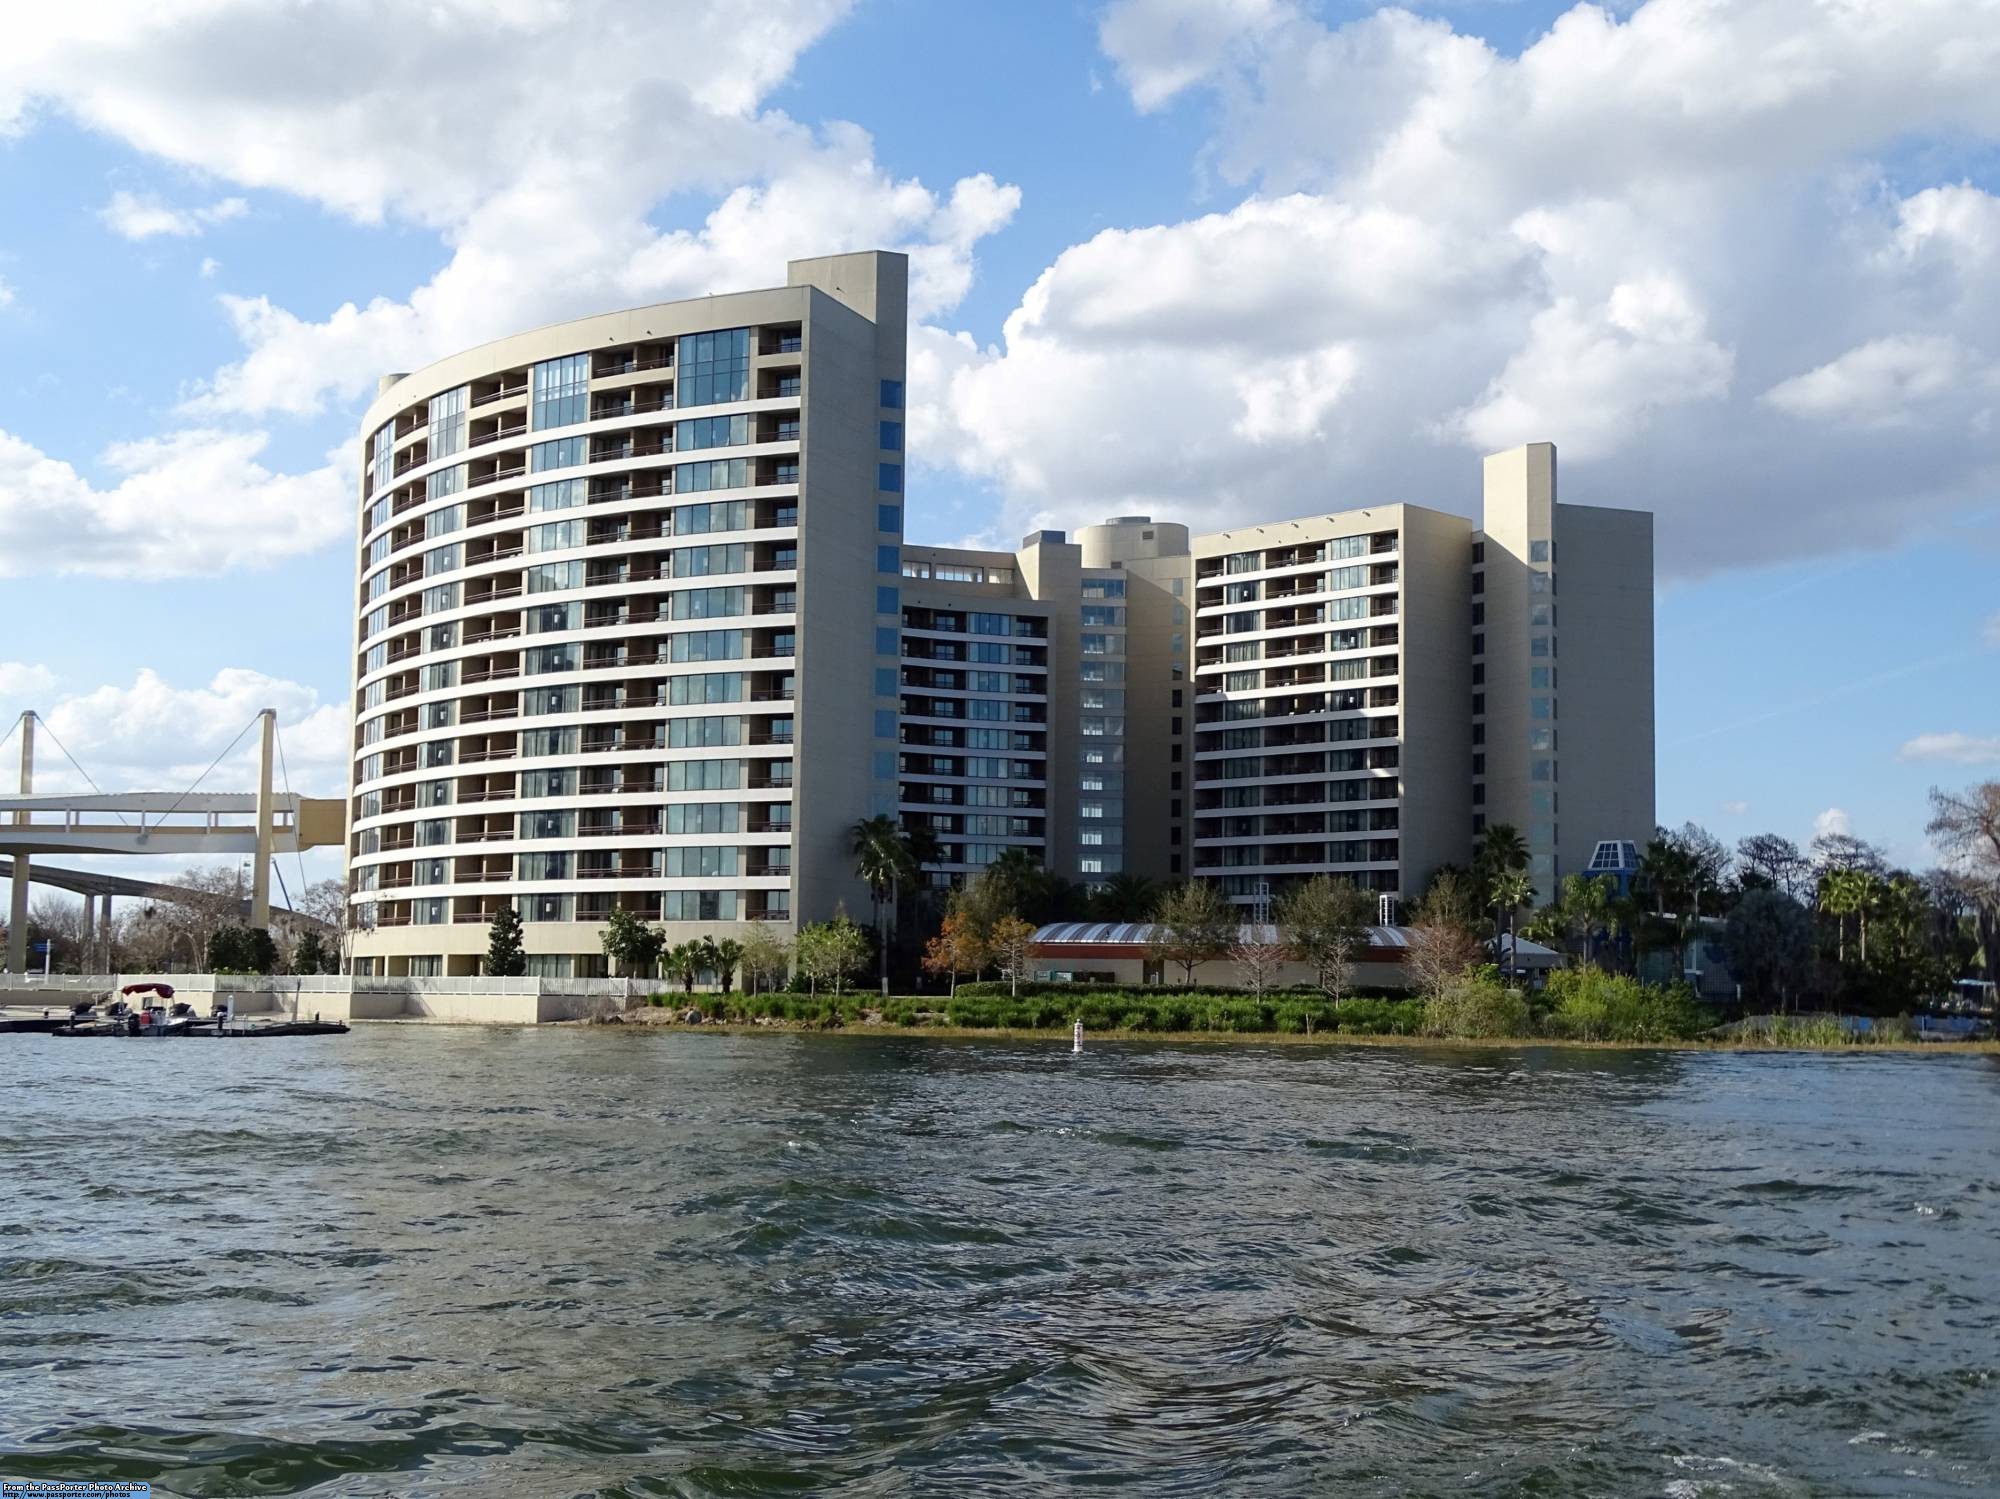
{"type": "Point", "coordinates": [1833, 823]}
{"type": "Point", "coordinates": [1595, 376]}
{"type": "Point", "coordinates": [19, 680]}
{"type": "Point", "coordinates": [117, 735]}
{"type": "Point", "coordinates": [144, 216]}
{"type": "Point", "coordinates": [1956, 224]}
{"type": "Point", "coordinates": [6, 293]}
{"type": "Point", "coordinates": [191, 503]}
{"type": "Point", "coordinates": [1736, 809]}
{"type": "Point", "coordinates": [1163, 47]}
{"type": "Point", "coordinates": [1882, 383]}
{"type": "Point", "coordinates": [542, 183]}
{"type": "Point", "coordinates": [1617, 240]}
{"type": "Point", "coordinates": [1954, 748]}
{"type": "Point", "coordinates": [209, 266]}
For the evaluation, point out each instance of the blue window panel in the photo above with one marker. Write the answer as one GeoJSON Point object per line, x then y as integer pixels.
{"type": "Point", "coordinates": [885, 723]}
{"type": "Point", "coordinates": [892, 394]}
{"type": "Point", "coordinates": [889, 476]}
{"type": "Point", "coordinates": [892, 436]}
{"type": "Point", "coordinates": [882, 802]}
{"type": "Point", "coordinates": [888, 600]}
{"type": "Point", "coordinates": [889, 559]}
{"type": "Point", "coordinates": [889, 518]}
{"type": "Point", "coordinates": [886, 641]}
{"type": "Point", "coordinates": [885, 681]}
{"type": "Point", "coordinates": [885, 765]}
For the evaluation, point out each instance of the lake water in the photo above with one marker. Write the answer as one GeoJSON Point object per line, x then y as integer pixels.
{"type": "Point", "coordinates": [429, 1260]}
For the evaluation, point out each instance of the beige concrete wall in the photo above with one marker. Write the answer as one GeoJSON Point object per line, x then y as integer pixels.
{"type": "Point", "coordinates": [1604, 571]}
{"type": "Point", "coordinates": [1436, 691]}
{"type": "Point", "coordinates": [1519, 511]}
{"type": "Point", "coordinates": [1158, 785]}
{"type": "Point", "coordinates": [847, 356]}
{"type": "Point", "coordinates": [1051, 571]}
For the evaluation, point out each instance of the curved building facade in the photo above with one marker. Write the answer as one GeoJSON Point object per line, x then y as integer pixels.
{"type": "Point", "coordinates": [589, 667]}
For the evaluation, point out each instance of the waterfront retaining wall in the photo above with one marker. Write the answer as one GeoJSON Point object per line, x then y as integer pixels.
{"type": "Point", "coordinates": [444, 1001]}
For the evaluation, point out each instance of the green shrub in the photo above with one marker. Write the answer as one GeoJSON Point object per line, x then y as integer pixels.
{"type": "Point", "coordinates": [1475, 1008]}
{"type": "Point", "coordinates": [1380, 1017]}
{"type": "Point", "coordinates": [1587, 1004]}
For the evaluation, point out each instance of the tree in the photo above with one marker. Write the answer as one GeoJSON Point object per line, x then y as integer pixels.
{"type": "Point", "coordinates": [1258, 955]}
{"type": "Point", "coordinates": [828, 951]}
{"type": "Point", "coordinates": [959, 947]}
{"type": "Point", "coordinates": [310, 953]}
{"type": "Point", "coordinates": [1502, 851]}
{"type": "Point", "coordinates": [683, 961]}
{"type": "Point", "coordinates": [1965, 826]}
{"type": "Point", "coordinates": [1124, 897]}
{"type": "Point", "coordinates": [1584, 906]}
{"type": "Point", "coordinates": [1768, 941]}
{"type": "Point", "coordinates": [241, 949]}
{"type": "Point", "coordinates": [882, 860]}
{"type": "Point", "coordinates": [1443, 938]}
{"type": "Point", "coordinates": [1777, 860]}
{"type": "Point", "coordinates": [326, 900]}
{"type": "Point", "coordinates": [1844, 892]}
{"type": "Point", "coordinates": [766, 958]}
{"type": "Point", "coordinates": [724, 957]}
{"type": "Point", "coordinates": [631, 945]}
{"type": "Point", "coordinates": [1325, 921]}
{"type": "Point", "coordinates": [1013, 942]}
{"type": "Point", "coordinates": [1845, 851]}
{"type": "Point", "coordinates": [1512, 890]}
{"type": "Point", "coordinates": [505, 958]}
{"type": "Point", "coordinates": [1192, 924]}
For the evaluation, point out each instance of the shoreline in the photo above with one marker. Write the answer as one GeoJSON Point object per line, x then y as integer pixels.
{"type": "Point", "coordinates": [882, 1031]}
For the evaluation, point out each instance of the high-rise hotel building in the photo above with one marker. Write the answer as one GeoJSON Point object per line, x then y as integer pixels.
{"type": "Point", "coordinates": [638, 628]}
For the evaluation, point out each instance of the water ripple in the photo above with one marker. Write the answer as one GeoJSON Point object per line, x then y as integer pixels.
{"type": "Point", "coordinates": [420, 1261]}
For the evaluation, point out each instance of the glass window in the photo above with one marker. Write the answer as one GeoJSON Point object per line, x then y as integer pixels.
{"type": "Point", "coordinates": [712, 367]}
{"type": "Point", "coordinates": [892, 437]}
{"type": "Point", "coordinates": [712, 432]}
{"type": "Point", "coordinates": [887, 600]}
{"type": "Point", "coordinates": [383, 456]}
{"type": "Point", "coordinates": [889, 559]}
{"type": "Point", "coordinates": [447, 423]}
{"type": "Point", "coordinates": [889, 476]}
{"type": "Point", "coordinates": [892, 394]}
{"type": "Point", "coordinates": [560, 391]}
{"type": "Point", "coordinates": [561, 452]}
{"type": "Point", "coordinates": [886, 641]}
{"type": "Point", "coordinates": [889, 518]}
{"type": "Point", "coordinates": [716, 473]}
{"type": "Point", "coordinates": [446, 481]}
{"type": "Point", "coordinates": [1538, 551]}
{"type": "Point", "coordinates": [885, 681]}
{"type": "Point", "coordinates": [563, 494]}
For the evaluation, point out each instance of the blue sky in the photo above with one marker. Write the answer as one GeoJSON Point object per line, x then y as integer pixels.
{"type": "Point", "coordinates": [1741, 263]}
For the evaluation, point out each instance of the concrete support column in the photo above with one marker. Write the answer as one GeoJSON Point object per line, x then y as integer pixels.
{"type": "Point", "coordinates": [104, 935]}
{"type": "Point", "coordinates": [260, 876]}
{"type": "Point", "coordinates": [86, 961]}
{"type": "Point", "coordinates": [17, 919]}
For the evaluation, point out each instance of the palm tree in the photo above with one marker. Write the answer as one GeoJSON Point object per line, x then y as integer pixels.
{"type": "Point", "coordinates": [1501, 851]}
{"type": "Point", "coordinates": [1843, 893]}
{"type": "Point", "coordinates": [1511, 891]}
{"type": "Point", "coordinates": [724, 957]}
{"type": "Point", "coordinates": [683, 962]}
{"type": "Point", "coordinates": [1125, 897]}
{"type": "Point", "coordinates": [883, 861]}
{"type": "Point", "coordinates": [1586, 903]}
